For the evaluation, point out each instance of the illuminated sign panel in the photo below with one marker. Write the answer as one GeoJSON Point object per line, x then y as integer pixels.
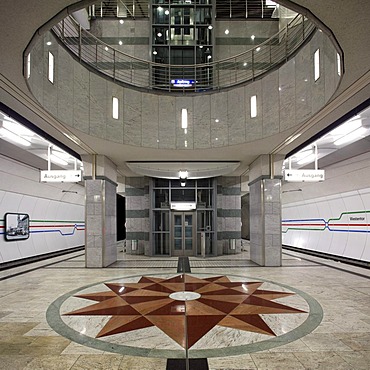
{"type": "Point", "coordinates": [182, 83]}
{"type": "Point", "coordinates": [304, 175]}
{"type": "Point", "coordinates": [61, 176]}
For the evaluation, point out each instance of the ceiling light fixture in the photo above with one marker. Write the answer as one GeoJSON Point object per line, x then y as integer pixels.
{"type": "Point", "coordinates": [17, 129]}
{"type": "Point", "coordinates": [183, 174]}
{"type": "Point", "coordinates": [310, 158]}
{"type": "Point", "coordinates": [14, 137]}
{"type": "Point", "coordinates": [227, 31]}
{"type": "Point", "coordinates": [58, 160]}
{"type": "Point", "coordinates": [121, 21]}
{"type": "Point", "coordinates": [347, 127]}
{"type": "Point", "coordinates": [184, 118]}
{"type": "Point", "coordinates": [357, 134]}
{"type": "Point", "coordinates": [48, 43]}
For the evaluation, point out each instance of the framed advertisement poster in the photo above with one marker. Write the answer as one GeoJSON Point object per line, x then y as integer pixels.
{"type": "Point", "coordinates": [17, 226]}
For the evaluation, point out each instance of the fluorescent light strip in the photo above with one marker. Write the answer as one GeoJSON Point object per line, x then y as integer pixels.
{"type": "Point", "coordinates": [51, 68]}
{"type": "Point", "coordinates": [14, 137]}
{"type": "Point", "coordinates": [308, 159]}
{"type": "Point", "coordinates": [184, 118]}
{"type": "Point", "coordinates": [28, 73]}
{"type": "Point", "coordinates": [58, 160]}
{"type": "Point", "coordinates": [357, 134]}
{"type": "Point", "coordinates": [115, 108]}
{"type": "Point", "coordinates": [316, 62]}
{"type": "Point", "coordinates": [253, 106]}
{"type": "Point", "coordinates": [347, 127]}
{"type": "Point", "coordinates": [17, 129]}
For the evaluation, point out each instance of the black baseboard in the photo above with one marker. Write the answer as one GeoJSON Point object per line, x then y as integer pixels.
{"type": "Point", "coordinates": [333, 257]}
{"type": "Point", "coordinates": [40, 257]}
{"type": "Point", "coordinates": [194, 364]}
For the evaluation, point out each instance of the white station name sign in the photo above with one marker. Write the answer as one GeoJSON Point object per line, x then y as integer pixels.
{"type": "Point", "coordinates": [304, 175]}
{"type": "Point", "coordinates": [61, 176]}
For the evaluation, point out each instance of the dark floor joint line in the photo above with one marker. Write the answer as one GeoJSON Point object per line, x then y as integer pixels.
{"type": "Point", "coordinates": [183, 265]}
{"type": "Point", "coordinates": [194, 363]}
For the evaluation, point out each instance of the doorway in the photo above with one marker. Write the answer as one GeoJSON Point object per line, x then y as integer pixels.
{"type": "Point", "coordinates": [183, 240]}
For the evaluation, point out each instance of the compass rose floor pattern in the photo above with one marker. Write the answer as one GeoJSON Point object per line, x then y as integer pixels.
{"type": "Point", "coordinates": [331, 331]}
{"type": "Point", "coordinates": [202, 313]}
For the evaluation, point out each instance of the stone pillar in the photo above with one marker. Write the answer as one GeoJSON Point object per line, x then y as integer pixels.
{"type": "Point", "coordinates": [265, 210]}
{"type": "Point", "coordinates": [228, 215]}
{"type": "Point", "coordinates": [100, 211]}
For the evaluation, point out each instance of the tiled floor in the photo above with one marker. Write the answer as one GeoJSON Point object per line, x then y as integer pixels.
{"type": "Point", "coordinates": [340, 339]}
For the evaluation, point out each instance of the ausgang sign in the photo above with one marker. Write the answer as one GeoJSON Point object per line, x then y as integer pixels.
{"type": "Point", "coordinates": [304, 175]}
{"type": "Point", "coordinates": [61, 176]}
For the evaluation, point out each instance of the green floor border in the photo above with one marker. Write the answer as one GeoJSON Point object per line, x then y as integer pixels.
{"type": "Point", "coordinates": [313, 320]}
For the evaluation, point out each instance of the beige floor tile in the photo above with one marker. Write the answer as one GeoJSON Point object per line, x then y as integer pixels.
{"type": "Point", "coordinates": [97, 362]}
{"type": "Point", "coordinates": [321, 361]}
{"type": "Point", "coordinates": [276, 361]}
{"type": "Point", "coordinates": [142, 363]}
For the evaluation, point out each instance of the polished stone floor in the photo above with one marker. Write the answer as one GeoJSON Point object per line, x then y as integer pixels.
{"type": "Point", "coordinates": [328, 326]}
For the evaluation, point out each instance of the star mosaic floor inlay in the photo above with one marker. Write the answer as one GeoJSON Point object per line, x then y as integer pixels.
{"type": "Point", "coordinates": [179, 312]}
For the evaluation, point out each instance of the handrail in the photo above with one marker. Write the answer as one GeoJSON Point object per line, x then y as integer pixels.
{"type": "Point", "coordinates": [217, 75]}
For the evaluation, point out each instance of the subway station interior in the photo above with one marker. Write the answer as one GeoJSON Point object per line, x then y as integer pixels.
{"type": "Point", "coordinates": [185, 184]}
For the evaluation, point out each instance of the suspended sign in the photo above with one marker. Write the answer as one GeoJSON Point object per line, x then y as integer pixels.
{"type": "Point", "coordinates": [304, 175]}
{"type": "Point", "coordinates": [61, 176]}
{"type": "Point", "coordinates": [182, 83]}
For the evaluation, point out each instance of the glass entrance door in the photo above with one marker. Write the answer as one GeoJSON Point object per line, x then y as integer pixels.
{"type": "Point", "coordinates": [183, 234]}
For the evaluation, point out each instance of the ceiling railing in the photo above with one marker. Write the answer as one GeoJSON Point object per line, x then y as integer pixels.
{"type": "Point", "coordinates": [217, 75]}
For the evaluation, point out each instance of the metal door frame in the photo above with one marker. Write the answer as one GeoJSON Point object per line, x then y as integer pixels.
{"type": "Point", "coordinates": [183, 251]}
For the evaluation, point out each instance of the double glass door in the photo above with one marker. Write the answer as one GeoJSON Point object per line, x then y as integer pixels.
{"type": "Point", "coordinates": [183, 234]}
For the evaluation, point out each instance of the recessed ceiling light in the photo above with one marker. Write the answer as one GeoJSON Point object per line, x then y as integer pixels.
{"type": "Point", "coordinates": [227, 31]}
{"type": "Point", "coordinates": [200, 46]}
{"type": "Point", "coordinates": [121, 21]}
{"type": "Point", "coordinates": [253, 37]}
{"type": "Point", "coordinates": [155, 52]}
{"type": "Point", "coordinates": [120, 42]}
{"type": "Point", "coordinates": [106, 48]}
{"type": "Point", "coordinates": [159, 34]}
{"type": "Point", "coordinates": [210, 27]}
{"type": "Point", "coordinates": [258, 49]}
{"type": "Point", "coordinates": [245, 64]}
{"type": "Point", "coordinates": [48, 43]}
{"type": "Point", "coordinates": [217, 120]}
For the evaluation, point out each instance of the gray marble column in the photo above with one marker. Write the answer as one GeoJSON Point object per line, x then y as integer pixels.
{"type": "Point", "coordinates": [265, 211]}
{"type": "Point", "coordinates": [100, 211]}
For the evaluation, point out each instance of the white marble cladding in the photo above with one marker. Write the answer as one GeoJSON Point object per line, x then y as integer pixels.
{"type": "Point", "coordinates": [265, 222]}
{"type": "Point", "coordinates": [285, 98]}
{"type": "Point", "coordinates": [239, 39]}
{"type": "Point", "coordinates": [101, 250]}
{"type": "Point", "coordinates": [131, 37]}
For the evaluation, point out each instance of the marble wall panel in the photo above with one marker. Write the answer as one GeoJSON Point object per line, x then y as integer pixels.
{"type": "Point", "coordinates": [81, 98]}
{"type": "Point", "coordinates": [254, 125]}
{"type": "Point", "coordinates": [98, 106]}
{"type": "Point", "coordinates": [37, 74]}
{"type": "Point", "coordinates": [303, 81]}
{"type": "Point", "coordinates": [270, 104]}
{"type": "Point", "coordinates": [50, 98]}
{"type": "Point", "coordinates": [65, 87]}
{"type": "Point", "coordinates": [132, 111]}
{"type": "Point", "coordinates": [150, 120]}
{"type": "Point", "coordinates": [236, 115]}
{"type": "Point", "coordinates": [114, 127]}
{"type": "Point", "coordinates": [184, 138]}
{"type": "Point", "coordinates": [202, 121]}
{"type": "Point", "coordinates": [318, 86]}
{"type": "Point", "coordinates": [167, 123]}
{"type": "Point", "coordinates": [287, 95]}
{"type": "Point", "coordinates": [330, 68]}
{"type": "Point", "coordinates": [219, 126]}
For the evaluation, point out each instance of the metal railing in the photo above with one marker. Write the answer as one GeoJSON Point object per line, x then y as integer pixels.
{"type": "Point", "coordinates": [216, 75]}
